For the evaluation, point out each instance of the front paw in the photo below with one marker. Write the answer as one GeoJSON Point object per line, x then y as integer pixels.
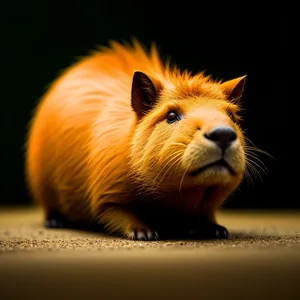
{"type": "Point", "coordinates": [54, 223]}
{"type": "Point", "coordinates": [220, 232]}
{"type": "Point", "coordinates": [210, 231]}
{"type": "Point", "coordinates": [144, 235]}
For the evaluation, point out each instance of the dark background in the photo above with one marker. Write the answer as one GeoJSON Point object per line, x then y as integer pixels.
{"type": "Point", "coordinates": [227, 39]}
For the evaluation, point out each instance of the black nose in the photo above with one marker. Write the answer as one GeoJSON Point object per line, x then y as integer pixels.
{"type": "Point", "coordinates": [222, 136]}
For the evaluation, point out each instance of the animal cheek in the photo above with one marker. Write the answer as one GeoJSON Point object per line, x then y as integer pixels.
{"type": "Point", "coordinates": [169, 155]}
{"type": "Point", "coordinates": [195, 152]}
{"type": "Point", "coordinates": [240, 139]}
{"type": "Point", "coordinates": [236, 157]}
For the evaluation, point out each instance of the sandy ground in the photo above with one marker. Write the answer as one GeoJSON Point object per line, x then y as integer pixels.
{"type": "Point", "coordinates": [261, 259]}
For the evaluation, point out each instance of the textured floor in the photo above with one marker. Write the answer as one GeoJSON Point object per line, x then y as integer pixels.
{"type": "Point", "coordinates": [261, 259]}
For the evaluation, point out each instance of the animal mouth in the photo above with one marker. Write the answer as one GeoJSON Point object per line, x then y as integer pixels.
{"type": "Point", "coordinates": [219, 163]}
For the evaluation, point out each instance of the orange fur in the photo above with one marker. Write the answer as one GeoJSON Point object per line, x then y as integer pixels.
{"type": "Point", "coordinates": [90, 155]}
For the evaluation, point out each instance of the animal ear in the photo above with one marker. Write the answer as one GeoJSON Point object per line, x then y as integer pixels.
{"type": "Point", "coordinates": [143, 93]}
{"type": "Point", "coordinates": [233, 89]}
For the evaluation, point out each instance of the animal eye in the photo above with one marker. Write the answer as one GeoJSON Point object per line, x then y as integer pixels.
{"type": "Point", "coordinates": [172, 117]}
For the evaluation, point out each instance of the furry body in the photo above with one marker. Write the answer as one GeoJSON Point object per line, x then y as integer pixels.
{"type": "Point", "coordinates": [124, 140]}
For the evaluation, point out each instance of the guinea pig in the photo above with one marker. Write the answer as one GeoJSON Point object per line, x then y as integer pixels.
{"type": "Point", "coordinates": [128, 141]}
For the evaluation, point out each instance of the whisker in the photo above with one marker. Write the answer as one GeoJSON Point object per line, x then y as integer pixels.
{"type": "Point", "coordinates": [173, 159]}
{"type": "Point", "coordinates": [174, 163]}
{"type": "Point", "coordinates": [178, 144]}
{"type": "Point", "coordinates": [182, 178]}
{"type": "Point", "coordinates": [255, 157]}
{"type": "Point", "coordinates": [248, 177]}
{"type": "Point", "coordinates": [169, 159]}
{"type": "Point", "coordinates": [252, 166]}
{"type": "Point", "coordinates": [251, 148]}
{"type": "Point", "coordinates": [249, 141]}
{"type": "Point", "coordinates": [258, 166]}
{"type": "Point", "coordinates": [252, 171]}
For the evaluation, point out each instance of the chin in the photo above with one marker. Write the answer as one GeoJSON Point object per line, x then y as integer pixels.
{"type": "Point", "coordinates": [216, 175]}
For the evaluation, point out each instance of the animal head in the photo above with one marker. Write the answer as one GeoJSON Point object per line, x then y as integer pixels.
{"type": "Point", "coordinates": [188, 132]}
